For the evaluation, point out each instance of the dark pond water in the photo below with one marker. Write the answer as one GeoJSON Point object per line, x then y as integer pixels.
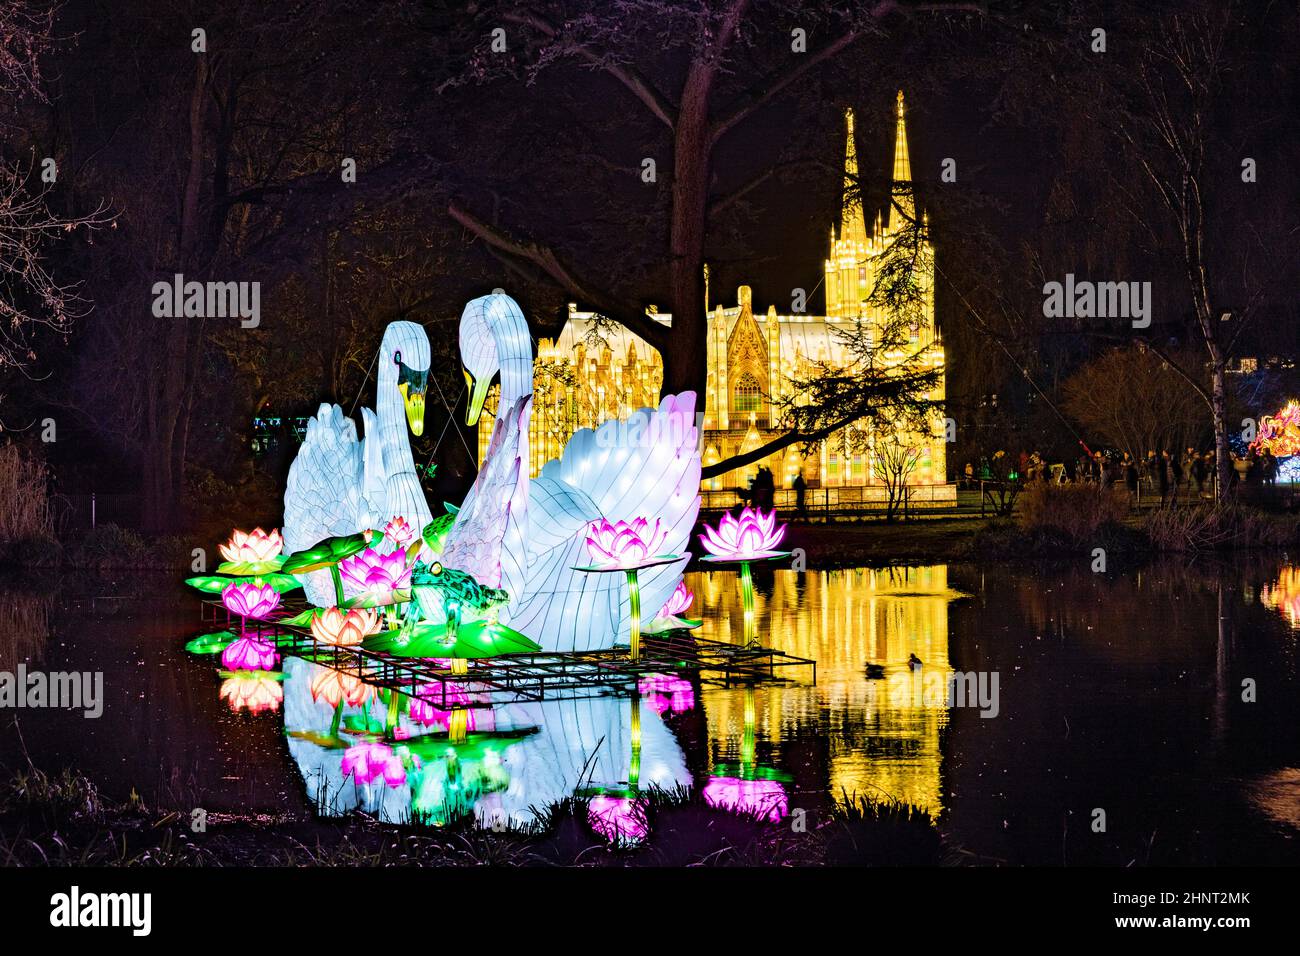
{"type": "Point", "coordinates": [1119, 694]}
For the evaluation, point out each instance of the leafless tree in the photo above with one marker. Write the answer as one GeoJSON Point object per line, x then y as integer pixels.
{"type": "Point", "coordinates": [1136, 401]}
{"type": "Point", "coordinates": [893, 460]}
{"type": "Point", "coordinates": [1171, 119]}
{"type": "Point", "coordinates": [30, 296]}
{"type": "Point", "coordinates": [26, 35]}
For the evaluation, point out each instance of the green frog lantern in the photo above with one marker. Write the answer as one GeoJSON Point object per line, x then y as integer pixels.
{"type": "Point", "coordinates": [456, 594]}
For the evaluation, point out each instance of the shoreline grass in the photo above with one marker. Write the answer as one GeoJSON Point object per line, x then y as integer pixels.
{"type": "Point", "coordinates": [63, 820]}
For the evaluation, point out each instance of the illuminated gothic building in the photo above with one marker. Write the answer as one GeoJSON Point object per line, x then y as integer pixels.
{"type": "Point", "coordinates": [593, 372]}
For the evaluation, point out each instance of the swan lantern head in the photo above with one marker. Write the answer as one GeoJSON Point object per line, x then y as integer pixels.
{"type": "Point", "coordinates": [405, 358]}
{"type": "Point", "coordinates": [489, 323]}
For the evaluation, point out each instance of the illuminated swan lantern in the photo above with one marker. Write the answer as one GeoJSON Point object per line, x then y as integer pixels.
{"type": "Point", "coordinates": [339, 485]}
{"type": "Point", "coordinates": [528, 537]}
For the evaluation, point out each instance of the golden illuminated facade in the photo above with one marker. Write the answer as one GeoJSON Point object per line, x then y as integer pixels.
{"type": "Point", "coordinates": [593, 372]}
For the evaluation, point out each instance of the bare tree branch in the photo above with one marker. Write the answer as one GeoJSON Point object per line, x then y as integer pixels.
{"type": "Point", "coordinates": [658, 104]}
{"type": "Point", "coordinates": [544, 258]}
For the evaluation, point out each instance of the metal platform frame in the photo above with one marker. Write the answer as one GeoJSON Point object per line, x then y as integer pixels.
{"type": "Point", "coordinates": [543, 675]}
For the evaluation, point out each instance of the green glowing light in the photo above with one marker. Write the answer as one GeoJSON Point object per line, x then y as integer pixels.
{"type": "Point", "coordinates": [634, 599]}
{"type": "Point", "coordinates": [216, 583]}
{"type": "Point", "coordinates": [213, 643]}
{"type": "Point", "coordinates": [747, 601]}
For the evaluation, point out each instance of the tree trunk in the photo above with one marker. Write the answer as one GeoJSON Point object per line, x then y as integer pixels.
{"type": "Point", "coordinates": [1218, 411]}
{"type": "Point", "coordinates": [156, 509]}
{"type": "Point", "coordinates": [686, 357]}
{"type": "Point", "coordinates": [178, 348]}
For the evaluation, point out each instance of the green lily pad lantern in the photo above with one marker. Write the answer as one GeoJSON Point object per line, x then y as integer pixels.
{"type": "Point", "coordinates": [473, 640]}
{"type": "Point", "coordinates": [216, 583]}
{"type": "Point", "coordinates": [434, 534]}
{"type": "Point", "coordinates": [327, 554]}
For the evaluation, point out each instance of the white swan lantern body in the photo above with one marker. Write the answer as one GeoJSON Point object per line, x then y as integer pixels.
{"type": "Point", "coordinates": [339, 485]}
{"type": "Point", "coordinates": [529, 536]}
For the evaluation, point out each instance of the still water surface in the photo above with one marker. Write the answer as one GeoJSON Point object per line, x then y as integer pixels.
{"type": "Point", "coordinates": [1163, 701]}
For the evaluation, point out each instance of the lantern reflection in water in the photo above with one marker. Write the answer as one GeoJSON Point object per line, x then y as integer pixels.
{"type": "Point", "coordinates": [882, 736]}
{"type": "Point", "coordinates": [1284, 595]}
{"type": "Point", "coordinates": [253, 694]}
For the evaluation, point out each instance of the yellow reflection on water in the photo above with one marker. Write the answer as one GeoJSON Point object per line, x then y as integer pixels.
{"type": "Point", "coordinates": [880, 737]}
{"type": "Point", "coordinates": [1284, 595]}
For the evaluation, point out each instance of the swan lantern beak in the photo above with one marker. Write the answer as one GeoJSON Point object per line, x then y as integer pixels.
{"type": "Point", "coordinates": [478, 389]}
{"type": "Point", "coordinates": [412, 386]}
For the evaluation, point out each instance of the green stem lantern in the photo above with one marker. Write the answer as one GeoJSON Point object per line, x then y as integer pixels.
{"type": "Point", "coordinates": [633, 592]}
{"type": "Point", "coordinates": [338, 585]}
{"type": "Point", "coordinates": [634, 767]}
{"type": "Point", "coordinates": [634, 600]}
{"type": "Point", "coordinates": [747, 601]}
{"type": "Point", "coordinates": [740, 539]}
{"type": "Point", "coordinates": [391, 714]}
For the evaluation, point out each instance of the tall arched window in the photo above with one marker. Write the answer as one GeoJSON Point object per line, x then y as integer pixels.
{"type": "Point", "coordinates": [746, 396]}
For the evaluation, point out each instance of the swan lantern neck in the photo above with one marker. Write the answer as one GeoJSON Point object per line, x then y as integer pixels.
{"type": "Point", "coordinates": [404, 368]}
{"type": "Point", "coordinates": [492, 326]}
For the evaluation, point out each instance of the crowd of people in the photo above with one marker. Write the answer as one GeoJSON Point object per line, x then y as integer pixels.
{"type": "Point", "coordinates": [1165, 475]}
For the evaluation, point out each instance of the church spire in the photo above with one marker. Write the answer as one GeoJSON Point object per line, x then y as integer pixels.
{"type": "Point", "coordinates": [853, 225]}
{"type": "Point", "coordinates": [901, 188]}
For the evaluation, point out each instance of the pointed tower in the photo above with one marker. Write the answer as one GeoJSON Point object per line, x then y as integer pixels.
{"type": "Point", "coordinates": [901, 188]}
{"type": "Point", "coordinates": [849, 247]}
{"type": "Point", "coordinates": [853, 224]}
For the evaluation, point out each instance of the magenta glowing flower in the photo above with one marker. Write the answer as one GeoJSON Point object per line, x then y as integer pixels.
{"type": "Point", "coordinates": [617, 819]}
{"type": "Point", "coordinates": [679, 602]}
{"type": "Point", "coordinates": [752, 536]}
{"type": "Point", "coordinates": [624, 545]}
{"type": "Point", "coordinates": [249, 654]}
{"type": "Point", "coordinates": [765, 799]}
{"type": "Point", "coordinates": [250, 600]}
{"type": "Point", "coordinates": [666, 692]}
{"type": "Point", "coordinates": [374, 761]}
{"type": "Point", "coordinates": [374, 573]}
{"type": "Point", "coordinates": [399, 532]}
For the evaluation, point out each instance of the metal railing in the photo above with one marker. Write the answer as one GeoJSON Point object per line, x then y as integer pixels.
{"type": "Point", "coordinates": [834, 501]}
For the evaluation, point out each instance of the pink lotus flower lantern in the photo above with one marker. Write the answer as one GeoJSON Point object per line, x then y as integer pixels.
{"type": "Point", "coordinates": [257, 601]}
{"type": "Point", "coordinates": [253, 547]}
{"type": "Point", "coordinates": [344, 629]}
{"type": "Point", "coordinates": [751, 537]}
{"type": "Point", "coordinates": [374, 574]}
{"type": "Point", "coordinates": [399, 532]}
{"type": "Point", "coordinates": [249, 654]}
{"type": "Point", "coordinates": [250, 600]}
{"type": "Point", "coordinates": [628, 546]}
{"type": "Point", "coordinates": [679, 602]}
{"type": "Point", "coordinates": [670, 617]}
{"type": "Point", "coordinates": [624, 545]}
{"type": "Point", "coordinates": [374, 761]}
